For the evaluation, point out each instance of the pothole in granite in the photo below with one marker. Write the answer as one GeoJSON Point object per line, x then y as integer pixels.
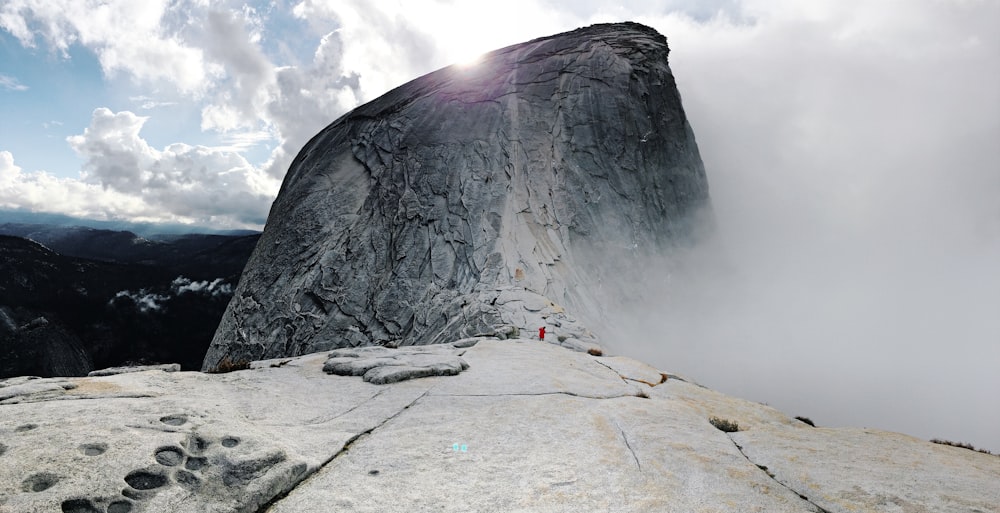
{"type": "Point", "coordinates": [383, 365]}
{"type": "Point", "coordinates": [194, 464]}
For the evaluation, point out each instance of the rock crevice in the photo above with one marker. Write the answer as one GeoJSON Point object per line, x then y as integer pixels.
{"type": "Point", "coordinates": [816, 507]}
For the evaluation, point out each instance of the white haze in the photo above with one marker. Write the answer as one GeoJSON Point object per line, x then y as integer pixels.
{"type": "Point", "coordinates": [854, 273]}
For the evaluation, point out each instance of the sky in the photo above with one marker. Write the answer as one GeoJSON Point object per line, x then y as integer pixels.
{"type": "Point", "coordinates": [851, 148]}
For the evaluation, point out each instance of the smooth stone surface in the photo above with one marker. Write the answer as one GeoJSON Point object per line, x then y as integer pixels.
{"type": "Point", "coordinates": [167, 367]}
{"type": "Point", "coordinates": [871, 470]}
{"type": "Point", "coordinates": [578, 374]}
{"type": "Point", "coordinates": [549, 454]}
{"type": "Point", "coordinates": [485, 200]}
{"type": "Point", "coordinates": [528, 427]}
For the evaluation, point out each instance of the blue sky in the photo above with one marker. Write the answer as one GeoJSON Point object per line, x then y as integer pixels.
{"type": "Point", "coordinates": [851, 149]}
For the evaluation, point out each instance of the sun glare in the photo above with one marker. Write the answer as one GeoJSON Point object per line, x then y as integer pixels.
{"type": "Point", "coordinates": [468, 58]}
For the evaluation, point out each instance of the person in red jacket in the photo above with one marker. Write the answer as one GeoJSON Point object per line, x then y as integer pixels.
{"type": "Point", "coordinates": [541, 333]}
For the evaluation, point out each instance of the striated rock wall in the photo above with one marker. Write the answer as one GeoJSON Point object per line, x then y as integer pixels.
{"type": "Point", "coordinates": [487, 199]}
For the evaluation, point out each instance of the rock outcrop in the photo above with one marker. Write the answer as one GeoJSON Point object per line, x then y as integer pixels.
{"type": "Point", "coordinates": [525, 427]}
{"type": "Point", "coordinates": [490, 199]}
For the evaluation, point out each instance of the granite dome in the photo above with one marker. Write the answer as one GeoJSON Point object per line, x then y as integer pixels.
{"type": "Point", "coordinates": [476, 200]}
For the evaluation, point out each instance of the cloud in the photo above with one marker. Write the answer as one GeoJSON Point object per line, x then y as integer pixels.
{"type": "Point", "coordinates": [306, 99]}
{"type": "Point", "coordinates": [214, 288]}
{"type": "Point", "coordinates": [148, 103]}
{"type": "Point", "coordinates": [148, 300]}
{"type": "Point", "coordinates": [386, 44]}
{"type": "Point", "coordinates": [197, 183]}
{"type": "Point", "coordinates": [125, 35]}
{"type": "Point", "coordinates": [7, 167]}
{"type": "Point", "coordinates": [11, 84]}
{"type": "Point", "coordinates": [124, 177]}
{"type": "Point", "coordinates": [256, 100]}
{"type": "Point", "coordinates": [212, 56]}
{"type": "Point", "coordinates": [145, 300]}
{"type": "Point", "coordinates": [40, 191]}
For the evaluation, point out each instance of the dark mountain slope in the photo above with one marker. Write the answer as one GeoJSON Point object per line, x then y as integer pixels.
{"type": "Point", "coordinates": [161, 302]}
{"type": "Point", "coordinates": [201, 256]}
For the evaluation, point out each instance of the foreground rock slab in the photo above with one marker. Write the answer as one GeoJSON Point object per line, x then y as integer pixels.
{"type": "Point", "coordinates": [527, 426]}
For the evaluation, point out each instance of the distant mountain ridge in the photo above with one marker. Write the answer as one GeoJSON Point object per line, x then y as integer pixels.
{"type": "Point", "coordinates": [148, 230]}
{"type": "Point", "coordinates": [195, 255]}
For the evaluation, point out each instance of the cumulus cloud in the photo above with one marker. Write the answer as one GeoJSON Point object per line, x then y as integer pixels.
{"type": "Point", "coordinates": [124, 177]}
{"type": "Point", "coordinates": [191, 182]}
{"type": "Point", "coordinates": [44, 192]}
{"type": "Point", "coordinates": [126, 36]}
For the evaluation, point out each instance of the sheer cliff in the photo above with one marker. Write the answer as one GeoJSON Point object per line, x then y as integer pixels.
{"type": "Point", "coordinates": [486, 199]}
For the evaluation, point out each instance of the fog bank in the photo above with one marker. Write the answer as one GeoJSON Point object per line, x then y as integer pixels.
{"type": "Point", "coordinates": [854, 272]}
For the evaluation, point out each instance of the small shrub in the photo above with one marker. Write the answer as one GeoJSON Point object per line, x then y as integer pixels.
{"type": "Point", "coordinates": [227, 365]}
{"type": "Point", "coordinates": [726, 426]}
{"type": "Point", "coordinates": [805, 420]}
{"type": "Point", "coordinates": [959, 444]}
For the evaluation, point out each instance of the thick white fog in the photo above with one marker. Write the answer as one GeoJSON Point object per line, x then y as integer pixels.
{"type": "Point", "coordinates": [854, 273]}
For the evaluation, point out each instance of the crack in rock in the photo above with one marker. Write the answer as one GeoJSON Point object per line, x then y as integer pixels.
{"type": "Point", "coordinates": [629, 445]}
{"type": "Point", "coordinates": [663, 376]}
{"type": "Point", "coordinates": [775, 479]}
{"type": "Point", "coordinates": [307, 474]}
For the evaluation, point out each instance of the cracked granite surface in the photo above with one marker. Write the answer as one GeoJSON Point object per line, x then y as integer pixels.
{"type": "Point", "coordinates": [527, 426]}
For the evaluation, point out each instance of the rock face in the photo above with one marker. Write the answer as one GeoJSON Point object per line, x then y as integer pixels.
{"type": "Point", "coordinates": [490, 199]}
{"type": "Point", "coordinates": [526, 427]}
